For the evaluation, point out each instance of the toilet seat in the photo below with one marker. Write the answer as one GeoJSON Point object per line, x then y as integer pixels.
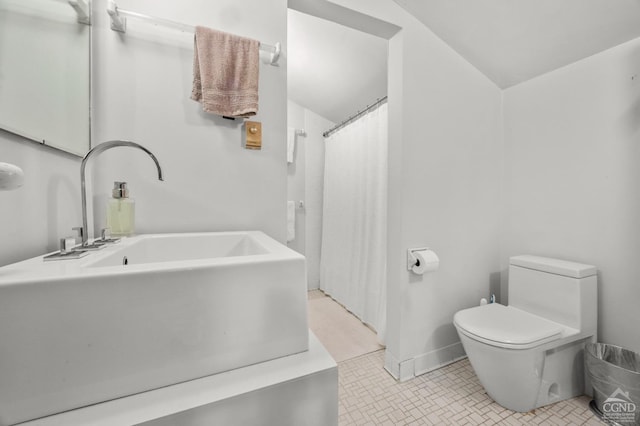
{"type": "Point", "coordinates": [506, 326]}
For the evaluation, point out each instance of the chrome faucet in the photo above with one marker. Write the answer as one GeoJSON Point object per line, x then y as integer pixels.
{"type": "Point", "coordinates": [95, 151]}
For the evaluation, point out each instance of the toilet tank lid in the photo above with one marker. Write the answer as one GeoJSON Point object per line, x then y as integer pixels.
{"type": "Point", "coordinates": [554, 266]}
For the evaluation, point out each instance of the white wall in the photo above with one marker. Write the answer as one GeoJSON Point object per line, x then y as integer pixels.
{"type": "Point", "coordinates": [35, 216]}
{"type": "Point", "coordinates": [445, 158]}
{"type": "Point", "coordinates": [450, 186]}
{"type": "Point", "coordinates": [315, 125]}
{"type": "Point", "coordinates": [305, 181]}
{"type": "Point", "coordinates": [142, 83]}
{"type": "Point", "coordinates": [572, 177]}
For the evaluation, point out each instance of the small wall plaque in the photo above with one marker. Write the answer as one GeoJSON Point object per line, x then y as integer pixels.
{"type": "Point", "coordinates": [253, 131]}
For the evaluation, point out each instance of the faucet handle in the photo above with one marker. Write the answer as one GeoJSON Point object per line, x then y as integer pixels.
{"type": "Point", "coordinates": [80, 231]}
{"type": "Point", "coordinates": [105, 237]}
{"type": "Point", "coordinates": [67, 244]}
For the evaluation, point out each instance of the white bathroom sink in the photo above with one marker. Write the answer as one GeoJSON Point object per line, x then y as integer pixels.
{"type": "Point", "coordinates": [78, 332]}
{"type": "Point", "coordinates": [182, 247]}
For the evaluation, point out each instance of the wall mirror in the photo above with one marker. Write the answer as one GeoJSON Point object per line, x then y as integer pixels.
{"type": "Point", "coordinates": [45, 51]}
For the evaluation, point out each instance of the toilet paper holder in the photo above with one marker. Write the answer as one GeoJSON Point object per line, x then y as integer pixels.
{"type": "Point", "coordinates": [411, 258]}
{"type": "Point", "coordinates": [421, 260]}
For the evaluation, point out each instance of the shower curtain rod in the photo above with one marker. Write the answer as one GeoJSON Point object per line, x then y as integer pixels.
{"type": "Point", "coordinates": [353, 117]}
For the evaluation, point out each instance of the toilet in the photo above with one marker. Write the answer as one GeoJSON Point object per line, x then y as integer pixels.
{"type": "Point", "coordinates": [530, 353]}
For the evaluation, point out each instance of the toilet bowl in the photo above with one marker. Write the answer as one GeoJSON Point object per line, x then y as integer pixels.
{"type": "Point", "coordinates": [530, 353]}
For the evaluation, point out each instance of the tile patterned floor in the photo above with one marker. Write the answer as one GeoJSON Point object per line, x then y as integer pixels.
{"type": "Point", "coordinates": [451, 395]}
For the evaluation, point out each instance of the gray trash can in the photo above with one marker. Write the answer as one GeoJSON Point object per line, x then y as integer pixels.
{"type": "Point", "coordinates": [615, 376]}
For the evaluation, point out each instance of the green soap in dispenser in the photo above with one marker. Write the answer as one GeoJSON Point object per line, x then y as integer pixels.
{"type": "Point", "coordinates": [121, 211]}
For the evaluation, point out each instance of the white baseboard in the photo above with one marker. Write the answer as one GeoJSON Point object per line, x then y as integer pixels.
{"type": "Point", "coordinates": [438, 358]}
{"type": "Point", "coordinates": [421, 364]}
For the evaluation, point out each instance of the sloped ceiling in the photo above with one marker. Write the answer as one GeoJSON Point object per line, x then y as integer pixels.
{"type": "Point", "coordinates": [333, 70]}
{"type": "Point", "coordinates": [512, 41]}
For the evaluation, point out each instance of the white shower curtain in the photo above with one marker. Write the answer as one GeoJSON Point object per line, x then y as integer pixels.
{"type": "Point", "coordinates": [354, 218]}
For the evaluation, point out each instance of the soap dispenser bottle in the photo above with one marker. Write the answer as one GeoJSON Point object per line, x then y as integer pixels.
{"type": "Point", "coordinates": [121, 211]}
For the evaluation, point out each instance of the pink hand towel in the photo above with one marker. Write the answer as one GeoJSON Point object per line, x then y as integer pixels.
{"type": "Point", "coordinates": [225, 73]}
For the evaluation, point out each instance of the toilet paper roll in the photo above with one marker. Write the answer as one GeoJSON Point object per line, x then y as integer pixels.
{"type": "Point", "coordinates": [426, 261]}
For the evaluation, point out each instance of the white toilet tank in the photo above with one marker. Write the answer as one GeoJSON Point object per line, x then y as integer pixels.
{"type": "Point", "coordinates": [561, 291]}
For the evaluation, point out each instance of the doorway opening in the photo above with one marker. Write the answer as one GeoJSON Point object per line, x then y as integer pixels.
{"type": "Point", "coordinates": [334, 73]}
